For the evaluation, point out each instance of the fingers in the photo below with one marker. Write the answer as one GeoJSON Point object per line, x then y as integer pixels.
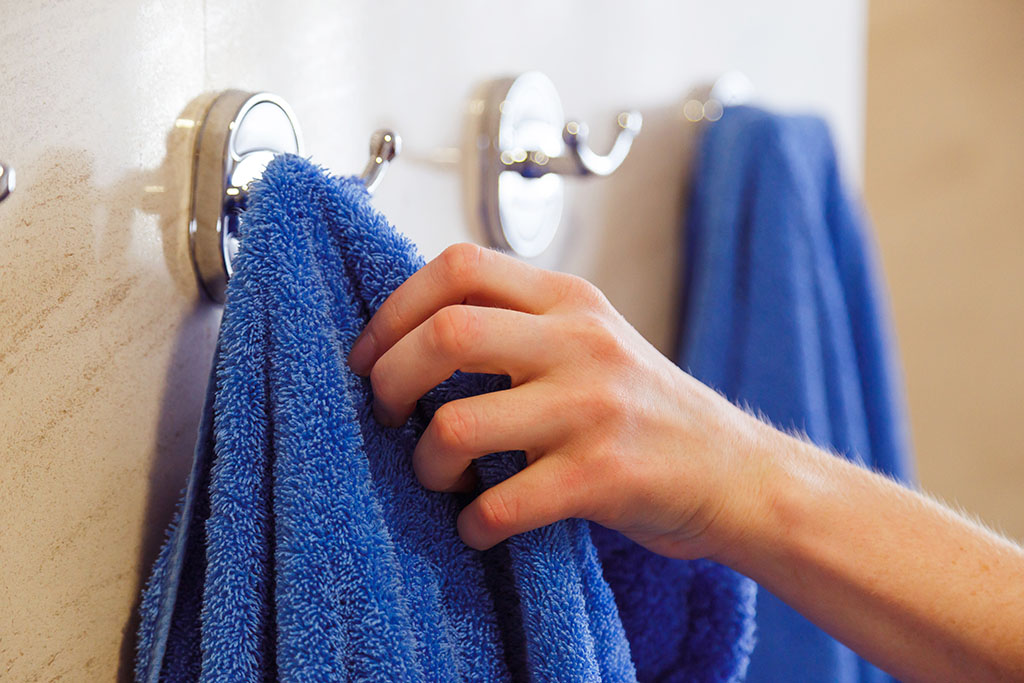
{"type": "Point", "coordinates": [521, 419]}
{"type": "Point", "coordinates": [467, 338]}
{"type": "Point", "coordinates": [545, 492]}
{"type": "Point", "coordinates": [463, 273]}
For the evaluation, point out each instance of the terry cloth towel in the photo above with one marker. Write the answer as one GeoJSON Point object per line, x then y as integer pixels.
{"type": "Point", "coordinates": [784, 312]}
{"type": "Point", "coordinates": [306, 550]}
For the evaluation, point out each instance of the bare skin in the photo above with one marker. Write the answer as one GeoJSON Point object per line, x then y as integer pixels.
{"type": "Point", "coordinates": [616, 433]}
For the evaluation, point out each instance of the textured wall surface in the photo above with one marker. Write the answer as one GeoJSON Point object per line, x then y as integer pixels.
{"type": "Point", "coordinates": [944, 176]}
{"type": "Point", "coordinates": [105, 342]}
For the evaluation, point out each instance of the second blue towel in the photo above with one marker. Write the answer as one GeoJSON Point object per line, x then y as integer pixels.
{"type": "Point", "coordinates": [784, 311]}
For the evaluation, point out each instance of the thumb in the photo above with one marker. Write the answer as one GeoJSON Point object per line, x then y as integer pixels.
{"type": "Point", "coordinates": [544, 492]}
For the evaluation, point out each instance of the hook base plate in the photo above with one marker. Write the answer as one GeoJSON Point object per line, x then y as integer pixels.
{"type": "Point", "coordinates": [239, 134]}
{"type": "Point", "coordinates": [513, 114]}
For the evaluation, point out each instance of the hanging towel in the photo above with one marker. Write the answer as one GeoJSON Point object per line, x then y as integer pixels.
{"type": "Point", "coordinates": [784, 312]}
{"type": "Point", "coordinates": [305, 549]}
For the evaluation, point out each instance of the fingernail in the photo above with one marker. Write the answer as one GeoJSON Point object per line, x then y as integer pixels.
{"type": "Point", "coordinates": [360, 358]}
{"type": "Point", "coordinates": [468, 532]}
{"type": "Point", "coordinates": [384, 417]}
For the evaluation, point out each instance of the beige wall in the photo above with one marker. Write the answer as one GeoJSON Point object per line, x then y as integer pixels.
{"type": "Point", "coordinates": [945, 185]}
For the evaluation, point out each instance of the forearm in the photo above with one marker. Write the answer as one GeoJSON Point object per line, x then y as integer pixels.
{"type": "Point", "coordinates": [907, 583]}
{"type": "Point", "coordinates": [616, 433]}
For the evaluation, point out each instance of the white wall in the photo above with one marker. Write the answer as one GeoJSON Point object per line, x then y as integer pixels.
{"type": "Point", "coordinates": [104, 339]}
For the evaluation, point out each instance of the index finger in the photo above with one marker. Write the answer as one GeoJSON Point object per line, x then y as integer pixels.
{"type": "Point", "coordinates": [463, 273]}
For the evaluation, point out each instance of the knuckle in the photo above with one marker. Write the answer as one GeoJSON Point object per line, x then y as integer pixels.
{"type": "Point", "coordinates": [581, 292]}
{"type": "Point", "coordinates": [461, 262]}
{"type": "Point", "coordinates": [395, 319]}
{"type": "Point", "coordinates": [453, 330]}
{"type": "Point", "coordinates": [608, 406]}
{"type": "Point", "coordinates": [497, 512]}
{"type": "Point", "coordinates": [455, 427]}
{"type": "Point", "coordinates": [600, 340]}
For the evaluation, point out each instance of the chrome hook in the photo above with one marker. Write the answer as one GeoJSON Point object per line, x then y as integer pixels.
{"type": "Point", "coordinates": [525, 149]}
{"type": "Point", "coordinates": [240, 133]}
{"type": "Point", "coordinates": [7, 180]}
{"type": "Point", "coordinates": [385, 145]}
{"type": "Point", "coordinates": [709, 102]}
{"type": "Point", "coordinates": [580, 159]}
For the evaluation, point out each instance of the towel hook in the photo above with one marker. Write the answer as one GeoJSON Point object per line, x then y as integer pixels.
{"type": "Point", "coordinates": [385, 145]}
{"type": "Point", "coordinates": [7, 180]}
{"type": "Point", "coordinates": [709, 102]}
{"type": "Point", "coordinates": [523, 154]}
{"type": "Point", "coordinates": [239, 134]}
{"type": "Point", "coordinates": [579, 158]}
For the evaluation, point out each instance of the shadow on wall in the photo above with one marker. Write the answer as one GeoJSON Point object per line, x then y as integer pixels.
{"type": "Point", "coordinates": [190, 358]}
{"type": "Point", "coordinates": [94, 300]}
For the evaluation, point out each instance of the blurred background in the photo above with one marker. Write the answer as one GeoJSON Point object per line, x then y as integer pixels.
{"type": "Point", "coordinates": [944, 181]}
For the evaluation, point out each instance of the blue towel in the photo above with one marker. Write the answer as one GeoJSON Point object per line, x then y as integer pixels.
{"type": "Point", "coordinates": [305, 549]}
{"type": "Point", "coordinates": [783, 311]}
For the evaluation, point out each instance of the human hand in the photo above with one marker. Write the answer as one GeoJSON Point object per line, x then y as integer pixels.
{"type": "Point", "coordinates": [612, 430]}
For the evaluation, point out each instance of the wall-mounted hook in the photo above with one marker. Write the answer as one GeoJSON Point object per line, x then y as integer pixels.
{"type": "Point", "coordinates": [240, 133]}
{"type": "Point", "coordinates": [7, 180]}
{"type": "Point", "coordinates": [524, 150]}
{"type": "Point", "coordinates": [385, 145]}
{"type": "Point", "coordinates": [579, 158]}
{"type": "Point", "coordinates": [709, 102]}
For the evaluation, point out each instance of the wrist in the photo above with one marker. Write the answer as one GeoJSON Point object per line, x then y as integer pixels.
{"type": "Point", "coordinates": [780, 478]}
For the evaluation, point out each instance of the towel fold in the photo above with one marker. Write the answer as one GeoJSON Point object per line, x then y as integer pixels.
{"type": "Point", "coordinates": [305, 549]}
{"type": "Point", "coordinates": [784, 312]}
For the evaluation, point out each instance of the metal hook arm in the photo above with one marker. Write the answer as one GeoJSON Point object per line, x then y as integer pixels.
{"type": "Point", "coordinates": [590, 162]}
{"type": "Point", "coordinates": [385, 145]}
{"type": "Point", "coordinates": [6, 181]}
{"type": "Point", "coordinates": [579, 159]}
{"type": "Point", "coordinates": [238, 135]}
